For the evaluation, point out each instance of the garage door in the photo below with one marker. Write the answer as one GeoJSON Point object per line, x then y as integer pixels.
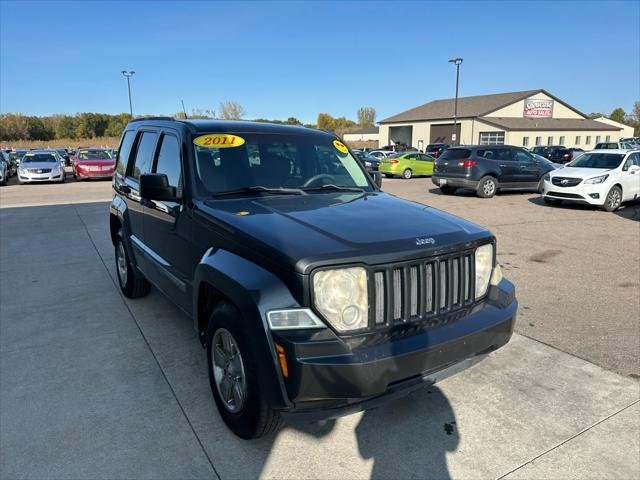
{"type": "Point", "coordinates": [442, 133]}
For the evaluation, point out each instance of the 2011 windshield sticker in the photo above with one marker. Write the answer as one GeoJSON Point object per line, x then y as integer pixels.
{"type": "Point", "coordinates": [341, 147]}
{"type": "Point", "coordinates": [219, 140]}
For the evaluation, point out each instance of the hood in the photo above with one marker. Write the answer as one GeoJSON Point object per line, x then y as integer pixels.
{"type": "Point", "coordinates": [578, 172]}
{"type": "Point", "coordinates": [306, 231]}
{"type": "Point", "coordinates": [96, 162]}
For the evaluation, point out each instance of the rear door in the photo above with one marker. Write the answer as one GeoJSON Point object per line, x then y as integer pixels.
{"type": "Point", "coordinates": [501, 160]}
{"type": "Point", "coordinates": [425, 163]}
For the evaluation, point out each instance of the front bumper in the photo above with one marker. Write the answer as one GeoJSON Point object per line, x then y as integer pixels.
{"type": "Point", "coordinates": [40, 177]}
{"type": "Point", "coordinates": [327, 378]}
{"type": "Point", "coordinates": [593, 194]}
{"type": "Point", "coordinates": [98, 174]}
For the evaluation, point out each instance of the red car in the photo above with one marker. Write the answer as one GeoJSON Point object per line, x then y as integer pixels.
{"type": "Point", "coordinates": [92, 163]}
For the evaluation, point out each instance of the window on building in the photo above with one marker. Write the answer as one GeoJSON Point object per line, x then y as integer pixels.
{"type": "Point", "coordinates": [525, 141]}
{"type": "Point", "coordinates": [561, 141]}
{"type": "Point", "coordinates": [597, 138]}
{"type": "Point", "coordinates": [491, 138]}
{"type": "Point", "coordinates": [538, 140]}
{"type": "Point", "coordinates": [588, 140]}
{"type": "Point", "coordinates": [578, 140]}
{"type": "Point", "coordinates": [608, 139]}
{"type": "Point", "coordinates": [549, 140]}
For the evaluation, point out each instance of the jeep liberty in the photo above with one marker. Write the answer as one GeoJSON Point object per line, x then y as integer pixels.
{"type": "Point", "coordinates": [313, 292]}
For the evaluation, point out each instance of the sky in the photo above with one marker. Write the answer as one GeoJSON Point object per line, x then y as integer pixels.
{"type": "Point", "coordinates": [282, 59]}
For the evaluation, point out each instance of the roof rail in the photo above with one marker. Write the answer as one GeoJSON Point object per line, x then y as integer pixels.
{"type": "Point", "coordinates": [140, 119]}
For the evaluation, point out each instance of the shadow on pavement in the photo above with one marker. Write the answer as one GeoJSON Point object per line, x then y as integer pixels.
{"type": "Point", "coordinates": [628, 210]}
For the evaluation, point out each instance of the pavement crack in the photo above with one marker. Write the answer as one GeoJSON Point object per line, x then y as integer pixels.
{"type": "Point", "coordinates": [155, 358]}
{"type": "Point", "coordinates": [569, 439]}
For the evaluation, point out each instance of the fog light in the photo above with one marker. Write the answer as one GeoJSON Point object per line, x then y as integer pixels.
{"type": "Point", "coordinates": [594, 195]}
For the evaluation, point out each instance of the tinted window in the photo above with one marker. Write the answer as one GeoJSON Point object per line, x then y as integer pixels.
{"type": "Point", "coordinates": [144, 155]}
{"type": "Point", "coordinates": [455, 154]}
{"type": "Point", "coordinates": [496, 153]}
{"type": "Point", "coordinates": [597, 160]}
{"type": "Point", "coordinates": [122, 158]}
{"type": "Point", "coordinates": [39, 158]}
{"type": "Point", "coordinates": [522, 157]}
{"type": "Point", "coordinates": [169, 160]}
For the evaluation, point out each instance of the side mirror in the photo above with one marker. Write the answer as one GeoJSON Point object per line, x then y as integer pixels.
{"type": "Point", "coordinates": [155, 186]}
{"type": "Point", "coordinates": [377, 178]}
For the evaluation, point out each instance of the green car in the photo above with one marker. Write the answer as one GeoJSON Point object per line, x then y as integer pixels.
{"type": "Point", "coordinates": [407, 164]}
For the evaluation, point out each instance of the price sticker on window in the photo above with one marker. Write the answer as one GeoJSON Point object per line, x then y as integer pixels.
{"type": "Point", "coordinates": [219, 140]}
{"type": "Point", "coordinates": [341, 147]}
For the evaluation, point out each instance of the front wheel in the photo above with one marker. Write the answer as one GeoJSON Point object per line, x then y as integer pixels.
{"type": "Point", "coordinates": [487, 187]}
{"type": "Point", "coordinates": [234, 378]}
{"type": "Point", "coordinates": [407, 174]}
{"type": "Point", "coordinates": [613, 200]}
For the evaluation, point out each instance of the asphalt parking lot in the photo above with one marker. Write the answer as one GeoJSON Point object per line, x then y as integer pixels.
{"type": "Point", "coordinates": [93, 385]}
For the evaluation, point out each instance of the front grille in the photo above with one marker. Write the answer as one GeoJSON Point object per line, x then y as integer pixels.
{"type": "Point", "coordinates": [564, 195]}
{"type": "Point", "coordinates": [415, 291]}
{"type": "Point", "coordinates": [39, 170]}
{"type": "Point", "coordinates": [566, 181]}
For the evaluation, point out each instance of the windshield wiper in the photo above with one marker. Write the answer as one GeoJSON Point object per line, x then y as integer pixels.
{"type": "Point", "coordinates": [331, 186]}
{"type": "Point", "coordinates": [261, 189]}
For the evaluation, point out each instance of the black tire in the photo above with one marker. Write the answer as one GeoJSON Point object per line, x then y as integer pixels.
{"type": "Point", "coordinates": [551, 201]}
{"type": "Point", "coordinates": [447, 190]}
{"type": "Point", "coordinates": [407, 174]}
{"type": "Point", "coordinates": [487, 187]}
{"type": "Point", "coordinates": [613, 200]}
{"type": "Point", "coordinates": [256, 417]}
{"type": "Point", "coordinates": [132, 284]}
{"type": "Point", "coordinates": [388, 175]}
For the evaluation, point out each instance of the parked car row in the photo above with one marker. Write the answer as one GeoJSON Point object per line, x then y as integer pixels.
{"type": "Point", "coordinates": [606, 177]}
{"type": "Point", "coordinates": [48, 165]}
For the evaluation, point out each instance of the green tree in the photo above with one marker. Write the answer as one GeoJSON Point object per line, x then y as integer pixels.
{"type": "Point", "coordinates": [66, 127]}
{"type": "Point", "coordinates": [366, 117]}
{"type": "Point", "coordinates": [293, 121]}
{"type": "Point", "coordinates": [36, 129]}
{"type": "Point", "coordinates": [617, 115]}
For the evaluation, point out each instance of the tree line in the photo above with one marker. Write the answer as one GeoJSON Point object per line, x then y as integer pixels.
{"type": "Point", "coordinates": [619, 115]}
{"type": "Point", "coordinates": [17, 126]}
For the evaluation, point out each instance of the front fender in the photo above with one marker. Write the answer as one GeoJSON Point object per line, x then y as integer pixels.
{"type": "Point", "coordinates": [254, 291]}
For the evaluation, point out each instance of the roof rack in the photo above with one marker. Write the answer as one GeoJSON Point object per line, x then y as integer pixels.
{"type": "Point", "coordinates": [140, 119]}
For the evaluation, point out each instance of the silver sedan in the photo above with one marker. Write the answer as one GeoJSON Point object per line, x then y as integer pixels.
{"type": "Point", "coordinates": [41, 166]}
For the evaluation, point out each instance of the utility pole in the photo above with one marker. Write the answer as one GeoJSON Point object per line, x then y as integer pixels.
{"type": "Point", "coordinates": [129, 74]}
{"type": "Point", "coordinates": [454, 136]}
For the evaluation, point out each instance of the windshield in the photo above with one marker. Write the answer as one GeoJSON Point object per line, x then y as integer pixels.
{"type": "Point", "coordinates": [39, 158]}
{"type": "Point", "coordinates": [93, 155]}
{"type": "Point", "coordinates": [597, 160]}
{"type": "Point", "coordinates": [275, 162]}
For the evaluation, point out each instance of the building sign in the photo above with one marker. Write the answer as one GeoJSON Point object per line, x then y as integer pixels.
{"type": "Point", "coordinates": [538, 108]}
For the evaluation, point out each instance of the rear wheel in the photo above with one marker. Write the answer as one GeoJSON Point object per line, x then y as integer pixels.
{"type": "Point", "coordinates": [407, 174]}
{"type": "Point", "coordinates": [487, 187]}
{"type": "Point", "coordinates": [132, 283]}
{"type": "Point", "coordinates": [233, 375]}
{"type": "Point", "coordinates": [447, 190]}
{"type": "Point", "coordinates": [613, 200]}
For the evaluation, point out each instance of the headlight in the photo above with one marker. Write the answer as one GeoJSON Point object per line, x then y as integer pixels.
{"type": "Point", "coordinates": [547, 177]}
{"type": "Point", "coordinates": [484, 266]}
{"type": "Point", "coordinates": [599, 179]}
{"type": "Point", "coordinates": [340, 295]}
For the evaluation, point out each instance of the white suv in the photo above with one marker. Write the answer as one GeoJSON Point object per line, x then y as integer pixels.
{"type": "Point", "coordinates": [601, 177]}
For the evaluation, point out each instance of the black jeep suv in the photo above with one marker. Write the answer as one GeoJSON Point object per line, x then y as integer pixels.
{"type": "Point", "coordinates": [313, 292]}
{"type": "Point", "coordinates": [487, 169]}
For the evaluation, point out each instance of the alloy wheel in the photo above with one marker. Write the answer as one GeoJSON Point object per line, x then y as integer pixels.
{"type": "Point", "coordinates": [121, 264]}
{"type": "Point", "coordinates": [489, 187]}
{"type": "Point", "coordinates": [614, 199]}
{"type": "Point", "coordinates": [228, 370]}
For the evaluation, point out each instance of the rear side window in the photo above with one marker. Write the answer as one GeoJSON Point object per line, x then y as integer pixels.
{"type": "Point", "coordinates": [455, 154]}
{"type": "Point", "coordinates": [169, 160]}
{"type": "Point", "coordinates": [144, 155]}
{"type": "Point", "coordinates": [122, 159]}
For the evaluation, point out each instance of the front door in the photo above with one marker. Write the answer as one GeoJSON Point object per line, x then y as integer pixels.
{"type": "Point", "coordinates": [530, 171]}
{"type": "Point", "coordinates": [167, 227]}
{"type": "Point", "coordinates": [631, 178]}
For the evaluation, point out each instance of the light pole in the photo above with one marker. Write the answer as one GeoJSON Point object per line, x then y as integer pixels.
{"type": "Point", "coordinates": [129, 74]}
{"type": "Point", "coordinates": [454, 137]}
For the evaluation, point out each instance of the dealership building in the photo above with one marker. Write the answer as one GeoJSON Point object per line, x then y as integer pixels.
{"type": "Point", "coordinates": [529, 118]}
